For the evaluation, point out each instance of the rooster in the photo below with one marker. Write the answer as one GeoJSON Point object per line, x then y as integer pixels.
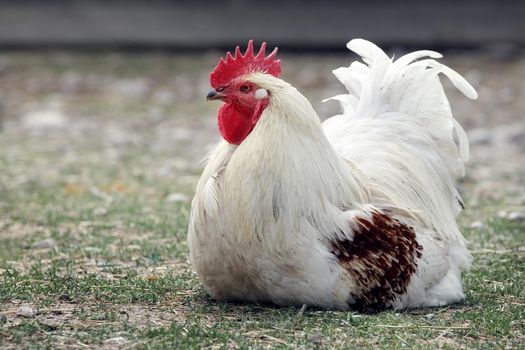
{"type": "Point", "coordinates": [355, 213]}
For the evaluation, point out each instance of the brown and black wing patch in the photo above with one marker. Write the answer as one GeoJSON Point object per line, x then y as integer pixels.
{"type": "Point", "coordinates": [381, 259]}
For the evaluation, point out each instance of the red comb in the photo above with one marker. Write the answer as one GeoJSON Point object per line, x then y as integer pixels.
{"type": "Point", "coordinates": [233, 67]}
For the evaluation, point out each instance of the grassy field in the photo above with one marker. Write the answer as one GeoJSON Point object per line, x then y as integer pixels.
{"type": "Point", "coordinates": [99, 155]}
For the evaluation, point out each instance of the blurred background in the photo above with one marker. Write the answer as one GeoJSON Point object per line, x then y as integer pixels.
{"type": "Point", "coordinates": [205, 24]}
{"type": "Point", "coordinates": [104, 125]}
{"type": "Point", "coordinates": [102, 101]}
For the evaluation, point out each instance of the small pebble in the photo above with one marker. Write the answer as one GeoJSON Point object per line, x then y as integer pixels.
{"type": "Point", "coordinates": [316, 339]}
{"type": "Point", "coordinates": [429, 317]}
{"type": "Point", "coordinates": [100, 211]}
{"type": "Point", "coordinates": [44, 244]}
{"type": "Point", "coordinates": [477, 225]}
{"type": "Point", "coordinates": [177, 197]}
{"type": "Point", "coordinates": [516, 216]}
{"type": "Point", "coordinates": [44, 120]}
{"type": "Point", "coordinates": [27, 311]}
{"type": "Point", "coordinates": [116, 341]}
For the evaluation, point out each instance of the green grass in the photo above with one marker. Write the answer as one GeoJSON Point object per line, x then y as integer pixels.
{"type": "Point", "coordinates": [97, 307]}
{"type": "Point", "coordinates": [123, 279]}
{"type": "Point", "coordinates": [115, 270]}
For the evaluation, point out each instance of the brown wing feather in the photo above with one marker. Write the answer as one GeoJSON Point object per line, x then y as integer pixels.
{"type": "Point", "coordinates": [381, 259]}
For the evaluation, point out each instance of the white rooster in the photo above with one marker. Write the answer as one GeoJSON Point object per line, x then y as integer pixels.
{"type": "Point", "coordinates": [355, 213]}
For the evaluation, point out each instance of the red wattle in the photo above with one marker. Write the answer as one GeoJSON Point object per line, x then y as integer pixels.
{"type": "Point", "coordinates": [236, 122]}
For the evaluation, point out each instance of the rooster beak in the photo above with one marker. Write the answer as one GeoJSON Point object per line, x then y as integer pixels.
{"type": "Point", "coordinates": [214, 95]}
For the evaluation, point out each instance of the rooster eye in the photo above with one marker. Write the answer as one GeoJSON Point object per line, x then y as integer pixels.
{"type": "Point", "coordinates": [245, 88]}
{"type": "Point", "coordinates": [220, 88]}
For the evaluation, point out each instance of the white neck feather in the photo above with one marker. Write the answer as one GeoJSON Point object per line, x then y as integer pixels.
{"type": "Point", "coordinates": [286, 169]}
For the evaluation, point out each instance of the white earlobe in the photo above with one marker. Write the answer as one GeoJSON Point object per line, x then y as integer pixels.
{"type": "Point", "coordinates": [260, 94]}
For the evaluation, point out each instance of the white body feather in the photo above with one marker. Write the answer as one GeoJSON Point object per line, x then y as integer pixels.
{"type": "Point", "coordinates": [265, 211]}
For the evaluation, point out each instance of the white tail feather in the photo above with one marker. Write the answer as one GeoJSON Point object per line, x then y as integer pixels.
{"type": "Point", "coordinates": [397, 126]}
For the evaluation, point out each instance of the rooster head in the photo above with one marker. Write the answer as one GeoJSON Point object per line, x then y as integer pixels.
{"type": "Point", "coordinates": [244, 101]}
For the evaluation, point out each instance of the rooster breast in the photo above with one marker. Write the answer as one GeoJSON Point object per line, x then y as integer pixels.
{"type": "Point", "coordinates": [248, 242]}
